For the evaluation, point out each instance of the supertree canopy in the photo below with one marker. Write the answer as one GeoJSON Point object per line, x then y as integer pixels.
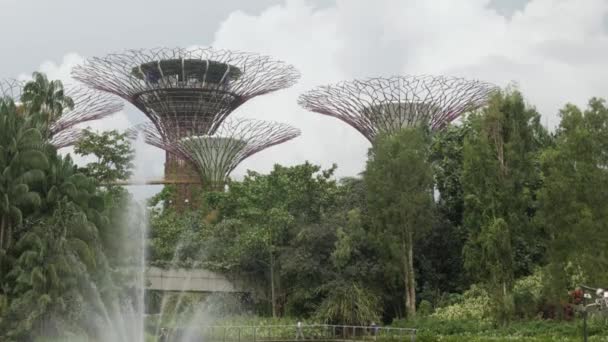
{"type": "Point", "coordinates": [215, 156]}
{"type": "Point", "coordinates": [66, 137]}
{"type": "Point", "coordinates": [386, 105]}
{"type": "Point", "coordinates": [186, 91]}
{"type": "Point", "coordinates": [89, 105]}
{"type": "Point", "coordinates": [11, 88]}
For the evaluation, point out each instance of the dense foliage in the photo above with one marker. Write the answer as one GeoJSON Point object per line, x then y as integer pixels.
{"type": "Point", "coordinates": [493, 219]}
{"type": "Point", "coordinates": [112, 152]}
{"type": "Point", "coordinates": [400, 197]}
{"type": "Point", "coordinates": [485, 222]}
{"type": "Point", "coordinates": [54, 273]}
{"type": "Point", "coordinates": [572, 207]}
{"type": "Point", "coordinates": [501, 179]}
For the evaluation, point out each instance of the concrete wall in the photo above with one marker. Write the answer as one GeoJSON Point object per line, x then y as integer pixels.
{"type": "Point", "coordinates": [197, 280]}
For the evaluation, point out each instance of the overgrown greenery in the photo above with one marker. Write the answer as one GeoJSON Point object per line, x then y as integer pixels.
{"type": "Point", "coordinates": [463, 233]}
{"type": "Point", "coordinates": [113, 154]}
{"type": "Point", "coordinates": [54, 273]}
{"type": "Point", "coordinates": [501, 179]}
{"type": "Point", "coordinates": [575, 179]}
{"type": "Point", "coordinates": [492, 220]}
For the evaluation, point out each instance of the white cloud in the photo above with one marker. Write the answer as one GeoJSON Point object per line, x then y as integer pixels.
{"type": "Point", "coordinates": [554, 49]}
{"type": "Point", "coordinates": [307, 38]}
{"type": "Point", "coordinates": [62, 70]}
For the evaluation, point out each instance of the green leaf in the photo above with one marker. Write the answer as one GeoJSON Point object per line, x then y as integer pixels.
{"type": "Point", "coordinates": [19, 190]}
{"type": "Point", "coordinates": [84, 253]}
{"type": "Point", "coordinates": [15, 215]}
{"type": "Point", "coordinates": [4, 203]}
{"type": "Point", "coordinates": [32, 136]}
{"type": "Point", "coordinates": [29, 199]}
{"type": "Point", "coordinates": [97, 203]}
{"type": "Point", "coordinates": [69, 189]}
{"type": "Point", "coordinates": [34, 159]}
{"type": "Point", "coordinates": [32, 176]}
{"type": "Point", "coordinates": [53, 195]}
{"type": "Point", "coordinates": [38, 280]}
{"type": "Point", "coordinates": [30, 240]}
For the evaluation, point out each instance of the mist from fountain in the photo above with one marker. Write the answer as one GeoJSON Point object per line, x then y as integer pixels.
{"type": "Point", "coordinates": [118, 312]}
{"type": "Point", "coordinates": [126, 312]}
{"type": "Point", "coordinates": [123, 308]}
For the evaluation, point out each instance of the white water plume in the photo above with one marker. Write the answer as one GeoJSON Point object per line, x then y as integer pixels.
{"type": "Point", "coordinates": [122, 316]}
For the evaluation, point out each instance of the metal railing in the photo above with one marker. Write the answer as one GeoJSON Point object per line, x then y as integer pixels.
{"type": "Point", "coordinates": [285, 333]}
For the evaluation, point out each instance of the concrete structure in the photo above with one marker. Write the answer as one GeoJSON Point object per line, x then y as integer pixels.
{"type": "Point", "coordinates": [184, 280]}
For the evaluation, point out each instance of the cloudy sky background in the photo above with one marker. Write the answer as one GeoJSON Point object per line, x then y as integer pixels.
{"type": "Point", "coordinates": [555, 50]}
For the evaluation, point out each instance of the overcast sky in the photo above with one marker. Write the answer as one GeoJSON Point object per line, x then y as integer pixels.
{"type": "Point", "coordinates": [555, 50]}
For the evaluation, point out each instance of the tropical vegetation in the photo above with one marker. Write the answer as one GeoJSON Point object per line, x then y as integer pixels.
{"type": "Point", "coordinates": [54, 272]}
{"type": "Point", "coordinates": [494, 220]}
{"type": "Point", "coordinates": [479, 231]}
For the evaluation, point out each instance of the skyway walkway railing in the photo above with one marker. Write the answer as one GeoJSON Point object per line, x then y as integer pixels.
{"type": "Point", "coordinates": [289, 333]}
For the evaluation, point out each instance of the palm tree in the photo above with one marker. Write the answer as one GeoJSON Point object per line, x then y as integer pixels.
{"type": "Point", "coordinates": [22, 162]}
{"type": "Point", "coordinates": [64, 182]}
{"type": "Point", "coordinates": [58, 254]}
{"type": "Point", "coordinates": [57, 257]}
{"type": "Point", "coordinates": [46, 99]}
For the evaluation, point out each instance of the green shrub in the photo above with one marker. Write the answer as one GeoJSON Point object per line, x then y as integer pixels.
{"type": "Point", "coordinates": [475, 304]}
{"type": "Point", "coordinates": [425, 308]}
{"type": "Point", "coordinates": [527, 295]}
{"type": "Point", "coordinates": [433, 329]}
{"type": "Point", "coordinates": [349, 304]}
{"type": "Point", "coordinates": [447, 299]}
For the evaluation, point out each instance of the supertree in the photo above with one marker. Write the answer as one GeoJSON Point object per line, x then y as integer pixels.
{"type": "Point", "coordinates": [215, 156]}
{"type": "Point", "coordinates": [386, 105]}
{"type": "Point", "coordinates": [67, 137]}
{"type": "Point", "coordinates": [186, 90]}
{"type": "Point", "coordinates": [89, 105]}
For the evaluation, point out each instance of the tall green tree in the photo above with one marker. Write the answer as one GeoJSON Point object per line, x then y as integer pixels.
{"type": "Point", "coordinates": [440, 264]}
{"type": "Point", "coordinates": [399, 181]}
{"type": "Point", "coordinates": [53, 269]}
{"type": "Point", "coordinates": [45, 100]}
{"type": "Point", "coordinates": [262, 214]}
{"type": "Point", "coordinates": [22, 163]}
{"type": "Point", "coordinates": [56, 259]}
{"type": "Point", "coordinates": [352, 283]}
{"type": "Point", "coordinates": [501, 178]}
{"type": "Point", "coordinates": [572, 202]}
{"type": "Point", "coordinates": [110, 157]}
{"type": "Point", "coordinates": [112, 153]}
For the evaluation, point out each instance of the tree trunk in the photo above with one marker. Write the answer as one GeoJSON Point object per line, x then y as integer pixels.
{"type": "Point", "coordinates": [272, 294]}
{"type": "Point", "coordinates": [3, 225]}
{"type": "Point", "coordinates": [2, 229]}
{"type": "Point", "coordinates": [409, 281]}
{"type": "Point", "coordinates": [9, 234]}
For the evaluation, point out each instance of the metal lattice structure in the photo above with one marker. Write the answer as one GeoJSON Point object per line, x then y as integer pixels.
{"type": "Point", "coordinates": [186, 91]}
{"type": "Point", "coordinates": [215, 156]}
{"type": "Point", "coordinates": [11, 88]}
{"type": "Point", "coordinates": [386, 105]}
{"type": "Point", "coordinates": [66, 137]}
{"type": "Point", "coordinates": [89, 105]}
